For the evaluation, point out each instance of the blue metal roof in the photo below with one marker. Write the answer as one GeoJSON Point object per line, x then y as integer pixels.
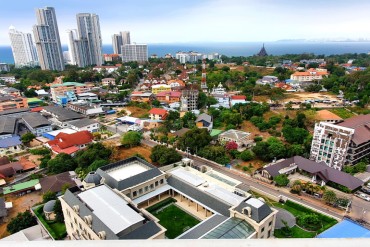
{"type": "Point", "coordinates": [346, 229]}
{"type": "Point", "coordinates": [10, 142]}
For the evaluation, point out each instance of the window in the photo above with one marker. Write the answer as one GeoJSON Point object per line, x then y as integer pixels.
{"type": "Point", "coordinates": [140, 191]}
{"type": "Point", "coordinates": [269, 234]}
{"type": "Point", "coordinates": [161, 181]}
{"type": "Point", "coordinates": [146, 188]}
{"type": "Point", "coordinates": [134, 193]}
{"type": "Point", "coordinates": [151, 186]}
{"type": "Point", "coordinates": [270, 223]}
{"type": "Point", "coordinates": [262, 230]}
{"type": "Point", "coordinates": [156, 183]}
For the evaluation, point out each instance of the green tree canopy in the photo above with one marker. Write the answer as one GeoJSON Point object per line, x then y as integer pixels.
{"type": "Point", "coordinates": [131, 139]}
{"type": "Point", "coordinates": [48, 196]}
{"type": "Point", "coordinates": [195, 139]}
{"type": "Point", "coordinates": [21, 221]}
{"type": "Point", "coordinates": [330, 197]}
{"type": "Point", "coordinates": [216, 153]}
{"type": "Point", "coordinates": [59, 217]}
{"type": "Point", "coordinates": [164, 155]}
{"type": "Point", "coordinates": [27, 138]}
{"type": "Point", "coordinates": [61, 163]}
{"type": "Point", "coordinates": [281, 180]}
{"type": "Point", "coordinates": [93, 152]}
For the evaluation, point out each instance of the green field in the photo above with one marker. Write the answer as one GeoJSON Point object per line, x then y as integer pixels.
{"type": "Point", "coordinates": [342, 112]}
{"type": "Point", "coordinates": [296, 233]}
{"type": "Point", "coordinates": [175, 220]}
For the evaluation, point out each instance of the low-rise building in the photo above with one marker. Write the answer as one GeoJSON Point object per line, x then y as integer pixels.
{"type": "Point", "coordinates": [100, 213]}
{"type": "Point", "coordinates": [238, 99]}
{"type": "Point", "coordinates": [60, 116]}
{"type": "Point", "coordinates": [327, 116]}
{"type": "Point", "coordinates": [158, 114]}
{"type": "Point", "coordinates": [142, 96]}
{"type": "Point", "coordinates": [84, 124]}
{"type": "Point", "coordinates": [67, 91]}
{"type": "Point", "coordinates": [160, 88]}
{"type": "Point", "coordinates": [10, 145]}
{"type": "Point", "coordinates": [310, 75]}
{"type": "Point", "coordinates": [176, 84]}
{"type": "Point", "coordinates": [243, 139]}
{"type": "Point", "coordinates": [7, 127]}
{"type": "Point", "coordinates": [169, 97]}
{"type": "Point", "coordinates": [86, 109]}
{"type": "Point", "coordinates": [189, 100]}
{"type": "Point", "coordinates": [319, 173]}
{"type": "Point", "coordinates": [37, 124]}
{"type": "Point", "coordinates": [108, 82]}
{"type": "Point", "coordinates": [268, 80]}
{"type": "Point", "coordinates": [204, 121]}
{"type": "Point", "coordinates": [55, 183]}
{"type": "Point", "coordinates": [109, 69]}
{"type": "Point", "coordinates": [8, 102]}
{"type": "Point", "coordinates": [87, 96]}
{"type": "Point", "coordinates": [10, 91]}
{"type": "Point", "coordinates": [8, 79]}
{"type": "Point", "coordinates": [70, 143]}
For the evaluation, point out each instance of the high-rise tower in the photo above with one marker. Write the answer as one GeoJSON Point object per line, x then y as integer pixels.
{"type": "Point", "coordinates": [203, 84]}
{"type": "Point", "coordinates": [46, 33]}
{"type": "Point", "coordinates": [23, 49]}
{"type": "Point", "coordinates": [89, 34]}
{"type": "Point", "coordinates": [118, 40]}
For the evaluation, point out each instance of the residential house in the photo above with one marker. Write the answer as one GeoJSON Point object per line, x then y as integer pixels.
{"type": "Point", "coordinates": [87, 96]}
{"type": "Point", "coordinates": [243, 139]}
{"type": "Point", "coordinates": [169, 97]}
{"type": "Point", "coordinates": [158, 114]}
{"type": "Point", "coordinates": [204, 121]}
{"type": "Point", "coordinates": [55, 183]}
{"type": "Point", "coordinates": [10, 91]}
{"type": "Point", "coordinates": [70, 143]}
{"type": "Point", "coordinates": [85, 108]}
{"type": "Point", "coordinates": [345, 142]}
{"type": "Point", "coordinates": [33, 233]}
{"type": "Point", "coordinates": [108, 69]}
{"type": "Point", "coordinates": [10, 145]}
{"type": "Point", "coordinates": [10, 169]}
{"type": "Point", "coordinates": [238, 99]}
{"type": "Point", "coordinates": [176, 84]}
{"type": "Point", "coordinates": [108, 82]}
{"type": "Point", "coordinates": [318, 171]}
{"type": "Point", "coordinates": [60, 116]}
{"type": "Point", "coordinates": [7, 127]}
{"type": "Point", "coordinates": [84, 124]}
{"type": "Point", "coordinates": [267, 80]}
{"type": "Point", "coordinates": [36, 123]}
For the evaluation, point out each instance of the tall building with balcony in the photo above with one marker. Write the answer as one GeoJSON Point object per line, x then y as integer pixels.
{"type": "Point", "coordinates": [134, 52]}
{"type": "Point", "coordinates": [118, 40]}
{"type": "Point", "coordinates": [346, 142]}
{"type": "Point", "coordinates": [46, 33]}
{"type": "Point", "coordinates": [89, 34]}
{"type": "Point", "coordinates": [24, 51]}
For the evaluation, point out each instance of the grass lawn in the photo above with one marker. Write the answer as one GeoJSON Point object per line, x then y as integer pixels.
{"type": "Point", "coordinates": [296, 233]}
{"type": "Point", "coordinates": [341, 112]}
{"type": "Point", "coordinates": [59, 228]}
{"type": "Point", "coordinates": [175, 220]}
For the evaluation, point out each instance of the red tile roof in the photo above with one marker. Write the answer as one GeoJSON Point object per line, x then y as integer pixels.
{"type": "Point", "coordinates": [240, 97]}
{"type": "Point", "coordinates": [37, 109]}
{"type": "Point", "coordinates": [64, 140]}
{"type": "Point", "coordinates": [169, 93]}
{"type": "Point", "coordinates": [158, 111]}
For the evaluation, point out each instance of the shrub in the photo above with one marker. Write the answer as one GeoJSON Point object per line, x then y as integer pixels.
{"type": "Point", "coordinates": [281, 180]}
{"type": "Point", "coordinates": [258, 138]}
{"type": "Point", "coordinates": [247, 155]}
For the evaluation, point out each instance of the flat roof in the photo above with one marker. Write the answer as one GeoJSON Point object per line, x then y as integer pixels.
{"type": "Point", "coordinates": [188, 177]}
{"type": "Point", "coordinates": [255, 202]}
{"type": "Point", "coordinates": [110, 208]}
{"type": "Point", "coordinates": [224, 195]}
{"type": "Point", "coordinates": [127, 171]}
{"type": "Point", "coordinates": [20, 186]}
{"type": "Point", "coordinates": [346, 229]}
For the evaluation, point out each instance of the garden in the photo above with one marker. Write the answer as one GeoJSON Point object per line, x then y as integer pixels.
{"type": "Point", "coordinates": [56, 229]}
{"type": "Point", "coordinates": [171, 217]}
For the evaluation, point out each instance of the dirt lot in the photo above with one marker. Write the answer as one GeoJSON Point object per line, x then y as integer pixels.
{"type": "Point", "coordinates": [123, 153]}
{"type": "Point", "coordinates": [20, 204]}
{"type": "Point", "coordinates": [136, 111]}
{"type": "Point", "coordinates": [295, 97]}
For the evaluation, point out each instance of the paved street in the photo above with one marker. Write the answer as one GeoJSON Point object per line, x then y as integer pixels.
{"type": "Point", "coordinates": [360, 209]}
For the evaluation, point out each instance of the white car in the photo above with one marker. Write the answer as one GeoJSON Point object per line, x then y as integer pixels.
{"type": "Point", "coordinates": [363, 196]}
{"type": "Point", "coordinates": [134, 128]}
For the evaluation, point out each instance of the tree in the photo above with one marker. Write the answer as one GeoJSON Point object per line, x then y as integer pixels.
{"type": "Point", "coordinates": [59, 217]}
{"type": "Point", "coordinates": [48, 196]}
{"type": "Point", "coordinates": [295, 135]}
{"type": "Point", "coordinates": [329, 197]}
{"type": "Point", "coordinates": [97, 164]}
{"type": "Point", "coordinates": [194, 139]}
{"type": "Point", "coordinates": [30, 93]}
{"type": "Point", "coordinates": [296, 187]}
{"type": "Point", "coordinates": [164, 155]}
{"type": "Point", "coordinates": [131, 139]}
{"type": "Point", "coordinates": [156, 103]}
{"type": "Point", "coordinates": [231, 146]}
{"type": "Point", "coordinates": [27, 138]}
{"type": "Point", "coordinates": [247, 155]}
{"type": "Point", "coordinates": [21, 221]}
{"type": "Point", "coordinates": [61, 163]}
{"type": "Point", "coordinates": [65, 187]}
{"type": "Point", "coordinates": [93, 152]}
{"type": "Point", "coordinates": [215, 153]}
{"type": "Point", "coordinates": [188, 120]}
{"type": "Point", "coordinates": [281, 180]}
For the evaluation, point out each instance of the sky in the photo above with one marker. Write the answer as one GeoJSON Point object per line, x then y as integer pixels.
{"type": "Point", "coordinates": [185, 21]}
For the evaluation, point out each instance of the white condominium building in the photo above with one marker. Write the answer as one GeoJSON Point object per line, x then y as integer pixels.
{"type": "Point", "coordinates": [23, 49]}
{"type": "Point", "coordinates": [134, 52]}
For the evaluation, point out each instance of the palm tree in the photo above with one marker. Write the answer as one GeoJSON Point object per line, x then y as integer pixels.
{"type": "Point", "coordinates": [330, 197]}
{"type": "Point", "coordinates": [297, 186]}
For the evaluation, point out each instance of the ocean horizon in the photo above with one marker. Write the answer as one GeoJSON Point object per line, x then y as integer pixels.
{"type": "Point", "coordinates": [235, 48]}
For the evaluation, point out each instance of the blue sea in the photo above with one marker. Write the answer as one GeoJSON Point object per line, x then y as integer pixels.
{"type": "Point", "coordinates": [237, 48]}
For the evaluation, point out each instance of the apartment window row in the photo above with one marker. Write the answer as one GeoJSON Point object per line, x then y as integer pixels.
{"type": "Point", "coordinates": [146, 188]}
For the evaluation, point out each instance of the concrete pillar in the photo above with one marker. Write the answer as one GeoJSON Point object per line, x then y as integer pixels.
{"type": "Point", "coordinates": [148, 203]}
{"type": "Point", "coordinates": [197, 206]}
{"type": "Point", "coordinates": [188, 202]}
{"type": "Point", "coordinates": [206, 212]}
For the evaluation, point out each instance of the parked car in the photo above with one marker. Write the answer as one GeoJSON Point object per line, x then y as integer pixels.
{"type": "Point", "coordinates": [365, 190]}
{"type": "Point", "coordinates": [363, 196]}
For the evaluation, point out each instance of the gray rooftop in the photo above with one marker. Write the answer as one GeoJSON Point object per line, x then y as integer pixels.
{"type": "Point", "coordinates": [204, 227]}
{"type": "Point", "coordinates": [49, 206]}
{"type": "Point", "coordinates": [3, 211]}
{"type": "Point", "coordinates": [202, 197]}
{"type": "Point", "coordinates": [204, 117]}
{"type": "Point", "coordinates": [152, 172]}
{"type": "Point", "coordinates": [7, 125]}
{"type": "Point", "coordinates": [321, 169]}
{"type": "Point", "coordinates": [93, 178]}
{"type": "Point", "coordinates": [62, 114]}
{"type": "Point", "coordinates": [13, 112]}
{"type": "Point", "coordinates": [83, 122]}
{"type": "Point", "coordinates": [35, 120]}
{"type": "Point", "coordinates": [259, 209]}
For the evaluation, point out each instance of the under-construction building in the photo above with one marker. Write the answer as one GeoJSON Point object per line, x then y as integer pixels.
{"type": "Point", "coordinates": [203, 84]}
{"type": "Point", "coordinates": [189, 100]}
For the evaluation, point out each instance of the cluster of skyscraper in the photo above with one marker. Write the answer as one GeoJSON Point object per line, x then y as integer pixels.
{"type": "Point", "coordinates": [84, 43]}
